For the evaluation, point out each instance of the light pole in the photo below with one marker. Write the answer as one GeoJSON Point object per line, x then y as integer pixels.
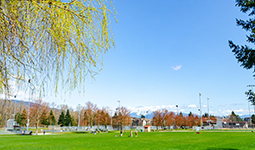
{"type": "Point", "coordinates": [6, 118]}
{"type": "Point", "coordinates": [201, 110]}
{"type": "Point", "coordinates": [249, 112]}
{"type": "Point", "coordinates": [53, 122]}
{"type": "Point", "coordinates": [119, 111]}
{"type": "Point", "coordinates": [176, 116]}
{"type": "Point", "coordinates": [79, 115]}
{"type": "Point", "coordinates": [208, 112]}
{"type": "Point", "coordinates": [111, 117]}
{"type": "Point", "coordinates": [119, 105]}
{"type": "Point", "coordinates": [251, 86]}
{"type": "Point", "coordinates": [29, 81]}
{"type": "Point", "coordinates": [177, 109]}
{"type": "Point", "coordinates": [14, 108]}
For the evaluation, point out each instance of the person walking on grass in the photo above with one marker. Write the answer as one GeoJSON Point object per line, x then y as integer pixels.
{"type": "Point", "coordinates": [136, 134]}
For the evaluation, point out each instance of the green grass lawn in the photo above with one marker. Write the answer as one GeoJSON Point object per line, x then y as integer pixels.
{"type": "Point", "coordinates": [152, 140]}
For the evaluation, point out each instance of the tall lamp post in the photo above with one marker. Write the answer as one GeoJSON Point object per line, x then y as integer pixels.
{"type": "Point", "coordinates": [177, 109]}
{"type": "Point", "coordinates": [111, 117]}
{"type": "Point", "coordinates": [201, 110]}
{"type": "Point", "coordinates": [6, 119]}
{"type": "Point", "coordinates": [119, 113]}
{"type": "Point", "coordinates": [208, 112]}
{"type": "Point", "coordinates": [251, 86]}
{"type": "Point", "coordinates": [14, 108]}
{"type": "Point", "coordinates": [119, 105]}
{"type": "Point", "coordinates": [29, 81]}
{"type": "Point", "coordinates": [249, 112]}
{"type": "Point", "coordinates": [53, 122]}
{"type": "Point", "coordinates": [79, 117]}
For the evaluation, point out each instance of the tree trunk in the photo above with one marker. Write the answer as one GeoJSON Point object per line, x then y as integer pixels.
{"type": "Point", "coordinates": [36, 130]}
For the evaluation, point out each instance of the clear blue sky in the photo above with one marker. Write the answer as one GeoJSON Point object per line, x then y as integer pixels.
{"type": "Point", "coordinates": [155, 37]}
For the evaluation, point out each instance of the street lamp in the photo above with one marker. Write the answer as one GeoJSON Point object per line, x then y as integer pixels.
{"type": "Point", "coordinates": [200, 110]}
{"type": "Point", "coordinates": [29, 81]}
{"type": "Point", "coordinates": [208, 111]}
{"type": "Point", "coordinates": [249, 104]}
{"type": "Point", "coordinates": [177, 109]}
{"type": "Point", "coordinates": [119, 105]}
{"type": "Point", "coordinates": [79, 111]}
{"type": "Point", "coordinates": [119, 112]}
{"type": "Point", "coordinates": [249, 112]}
{"type": "Point", "coordinates": [6, 116]}
{"type": "Point", "coordinates": [111, 116]}
{"type": "Point", "coordinates": [14, 108]}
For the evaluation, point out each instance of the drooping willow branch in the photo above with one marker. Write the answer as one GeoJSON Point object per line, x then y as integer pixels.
{"type": "Point", "coordinates": [53, 43]}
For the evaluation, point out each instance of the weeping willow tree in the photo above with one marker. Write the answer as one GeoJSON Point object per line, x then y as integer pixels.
{"type": "Point", "coordinates": [52, 43]}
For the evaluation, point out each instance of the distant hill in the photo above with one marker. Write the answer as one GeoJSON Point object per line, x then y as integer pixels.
{"type": "Point", "coordinates": [20, 101]}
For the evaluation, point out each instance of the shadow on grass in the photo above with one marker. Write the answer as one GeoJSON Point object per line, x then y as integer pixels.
{"type": "Point", "coordinates": [80, 132]}
{"type": "Point", "coordinates": [222, 149]}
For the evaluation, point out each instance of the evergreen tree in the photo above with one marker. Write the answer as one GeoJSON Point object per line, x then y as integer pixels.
{"type": "Point", "coordinates": [250, 96]}
{"type": "Point", "coordinates": [190, 114]}
{"type": "Point", "coordinates": [238, 118]}
{"type": "Point", "coordinates": [234, 117]}
{"type": "Point", "coordinates": [68, 118]}
{"type": "Point", "coordinates": [253, 119]}
{"type": "Point", "coordinates": [51, 118]}
{"type": "Point", "coordinates": [61, 119]}
{"type": "Point", "coordinates": [43, 118]}
{"type": "Point", "coordinates": [74, 122]}
{"type": "Point", "coordinates": [206, 115]}
{"type": "Point", "coordinates": [18, 118]}
{"type": "Point", "coordinates": [21, 118]}
{"type": "Point", "coordinates": [243, 53]}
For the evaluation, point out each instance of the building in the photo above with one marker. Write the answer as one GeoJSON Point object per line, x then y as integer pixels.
{"type": "Point", "coordinates": [226, 123]}
{"type": "Point", "coordinates": [140, 121]}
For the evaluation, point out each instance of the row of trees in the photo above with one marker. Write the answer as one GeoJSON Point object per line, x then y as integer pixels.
{"type": "Point", "coordinates": [44, 114]}
{"type": "Point", "coordinates": [166, 118]}
{"type": "Point", "coordinates": [91, 115]}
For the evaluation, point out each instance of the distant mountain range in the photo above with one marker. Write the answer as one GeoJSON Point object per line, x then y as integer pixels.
{"type": "Point", "coordinates": [148, 115]}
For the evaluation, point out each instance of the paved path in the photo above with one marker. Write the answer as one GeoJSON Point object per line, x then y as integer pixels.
{"type": "Point", "coordinates": [5, 132]}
